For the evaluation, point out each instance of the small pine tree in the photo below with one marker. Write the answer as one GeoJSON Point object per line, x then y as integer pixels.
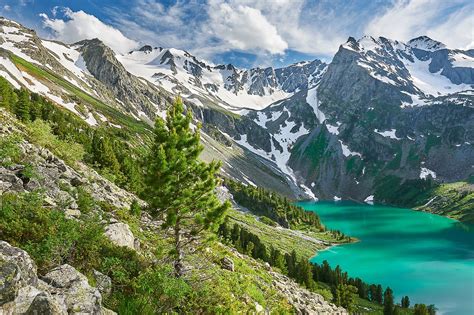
{"type": "Point", "coordinates": [405, 302]}
{"type": "Point", "coordinates": [22, 110]}
{"type": "Point", "coordinates": [103, 153]}
{"type": "Point", "coordinates": [305, 274]}
{"type": "Point", "coordinates": [379, 294]}
{"type": "Point", "coordinates": [179, 185]}
{"type": "Point", "coordinates": [388, 302]}
{"type": "Point", "coordinates": [135, 208]}
{"type": "Point", "coordinates": [345, 295]}
{"type": "Point", "coordinates": [7, 98]}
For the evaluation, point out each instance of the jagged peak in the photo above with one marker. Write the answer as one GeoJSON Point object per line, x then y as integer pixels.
{"type": "Point", "coordinates": [426, 43]}
{"type": "Point", "coordinates": [146, 49]}
{"type": "Point", "coordinates": [90, 42]}
{"type": "Point", "coordinates": [4, 20]}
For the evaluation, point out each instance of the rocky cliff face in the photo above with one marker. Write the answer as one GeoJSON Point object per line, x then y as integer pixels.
{"type": "Point", "coordinates": [133, 95]}
{"type": "Point", "coordinates": [380, 121]}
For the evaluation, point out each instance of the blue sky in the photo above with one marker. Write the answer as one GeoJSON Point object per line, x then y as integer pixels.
{"type": "Point", "coordinates": [246, 33]}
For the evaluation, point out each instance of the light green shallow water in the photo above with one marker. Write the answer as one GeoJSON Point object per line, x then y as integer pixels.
{"type": "Point", "coordinates": [427, 257]}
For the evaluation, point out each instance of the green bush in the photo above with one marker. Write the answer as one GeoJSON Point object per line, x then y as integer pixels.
{"type": "Point", "coordinates": [156, 291]}
{"type": "Point", "coordinates": [85, 202]}
{"type": "Point", "coordinates": [47, 235]}
{"type": "Point", "coordinates": [135, 209]}
{"type": "Point", "coordinates": [40, 132]}
{"type": "Point", "coordinates": [10, 152]}
{"type": "Point", "coordinates": [267, 221]}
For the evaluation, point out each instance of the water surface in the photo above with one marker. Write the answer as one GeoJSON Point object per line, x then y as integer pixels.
{"type": "Point", "coordinates": [427, 257]}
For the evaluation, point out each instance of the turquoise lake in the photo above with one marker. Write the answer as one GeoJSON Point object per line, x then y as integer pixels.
{"type": "Point", "coordinates": [427, 257]}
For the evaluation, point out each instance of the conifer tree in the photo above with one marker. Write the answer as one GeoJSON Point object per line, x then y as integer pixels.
{"type": "Point", "coordinates": [379, 294]}
{"type": "Point", "coordinates": [420, 309]}
{"type": "Point", "coordinates": [305, 275]}
{"type": "Point", "coordinates": [405, 302]}
{"type": "Point", "coordinates": [22, 109]}
{"type": "Point", "coordinates": [388, 302]}
{"type": "Point", "coordinates": [344, 295]}
{"type": "Point", "coordinates": [7, 97]}
{"type": "Point", "coordinates": [103, 152]}
{"type": "Point", "coordinates": [179, 185]}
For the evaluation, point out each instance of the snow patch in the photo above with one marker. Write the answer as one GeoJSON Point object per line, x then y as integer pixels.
{"type": "Point", "coordinates": [369, 199]}
{"type": "Point", "coordinates": [91, 120]}
{"type": "Point", "coordinates": [312, 100]}
{"type": "Point", "coordinates": [388, 133]}
{"type": "Point", "coordinates": [424, 173]}
{"type": "Point", "coordinates": [333, 129]}
{"type": "Point", "coordinates": [431, 83]}
{"type": "Point", "coordinates": [462, 60]}
{"type": "Point", "coordinates": [347, 152]}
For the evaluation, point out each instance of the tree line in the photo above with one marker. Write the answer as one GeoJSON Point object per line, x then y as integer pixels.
{"type": "Point", "coordinates": [344, 289]}
{"type": "Point", "coordinates": [271, 205]}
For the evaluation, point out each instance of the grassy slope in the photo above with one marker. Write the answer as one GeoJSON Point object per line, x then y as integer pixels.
{"type": "Point", "coordinates": [454, 200]}
{"type": "Point", "coordinates": [45, 75]}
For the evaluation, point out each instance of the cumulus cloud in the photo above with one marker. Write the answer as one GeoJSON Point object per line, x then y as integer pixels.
{"type": "Point", "coordinates": [78, 25]}
{"type": "Point", "coordinates": [264, 27]}
{"type": "Point", "coordinates": [450, 22]}
{"type": "Point", "coordinates": [269, 29]}
{"type": "Point", "coordinates": [244, 28]}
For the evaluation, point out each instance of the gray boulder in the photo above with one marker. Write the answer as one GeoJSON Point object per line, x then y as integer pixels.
{"type": "Point", "coordinates": [26, 267]}
{"type": "Point", "coordinates": [227, 264]}
{"type": "Point", "coordinates": [44, 304]}
{"type": "Point", "coordinates": [120, 234]}
{"type": "Point", "coordinates": [72, 287]}
{"type": "Point", "coordinates": [103, 282]}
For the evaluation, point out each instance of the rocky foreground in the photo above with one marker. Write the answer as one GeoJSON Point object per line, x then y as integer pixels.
{"type": "Point", "coordinates": [65, 290]}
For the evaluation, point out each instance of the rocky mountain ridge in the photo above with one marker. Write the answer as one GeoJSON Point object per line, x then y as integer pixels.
{"type": "Point", "coordinates": [381, 109]}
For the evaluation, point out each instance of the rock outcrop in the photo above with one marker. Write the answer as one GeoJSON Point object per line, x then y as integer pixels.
{"type": "Point", "coordinates": [63, 290]}
{"type": "Point", "coordinates": [58, 180]}
{"type": "Point", "coordinates": [303, 300]}
{"type": "Point", "coordinates": [227, 264]}
{"type": "Point", "coordinates": [121, 235]}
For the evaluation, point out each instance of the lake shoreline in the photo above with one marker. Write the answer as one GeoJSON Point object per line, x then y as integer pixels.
{"type": "Point", "coordinates": [404, 249]}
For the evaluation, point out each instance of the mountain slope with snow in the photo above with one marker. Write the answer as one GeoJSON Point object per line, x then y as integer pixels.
{"type": "Point", "coordinates": [379, 115]}
{"type": "Point", "coordinates": [178, 71]}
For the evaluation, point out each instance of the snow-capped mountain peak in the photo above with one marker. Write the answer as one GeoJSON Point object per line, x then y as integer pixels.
{"type": "Point", "coordinates": [422, 68]}
{"type": "Point", "coordinates": [426, 43]}
{"type": "Point", "coordinates": [178, 71]}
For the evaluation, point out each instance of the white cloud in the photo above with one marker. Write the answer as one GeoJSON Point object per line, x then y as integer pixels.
{"type": "Point", "coordinates": [244, 28]}
{"type": "Point", "coordinates": [6, 7]}
{"type": "Point", "coordinates": [79, 25]}
{"type": "Point", "coordinates": [450, 22]}
{"type": "Point", "coordinates": [267, 28]}
{"type": "Point", "coordinates": [457, 31]}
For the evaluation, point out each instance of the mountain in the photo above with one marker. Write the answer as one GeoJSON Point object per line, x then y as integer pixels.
{"type": "Point", "coordinates": [383, 121]}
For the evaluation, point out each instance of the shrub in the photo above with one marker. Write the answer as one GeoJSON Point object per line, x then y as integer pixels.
{"type": "Point", "coordinates": [10, 152]}
{"type": "Point", "coordinates": [85, 202]}
{"type": "Point", "coordinates": [156, 291]}
{"type": "Point", "coordinates": [40, 133]}
{"type": "Point", "coordinates": [135, 209]}
{"type": "Point", "coordinates": [267, 221]}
